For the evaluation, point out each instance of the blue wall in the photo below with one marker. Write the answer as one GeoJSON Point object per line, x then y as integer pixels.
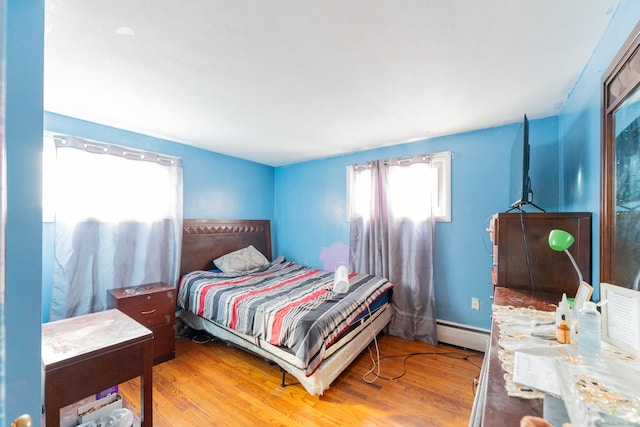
{"type": "Point", "coordinates": [311, 207]}
{"type": "Point", "coordinates": [23, 122]}
{"type": "Point", "coordinates": [215, 185]}
{"type": "Point", "coordinates": [580, 129]}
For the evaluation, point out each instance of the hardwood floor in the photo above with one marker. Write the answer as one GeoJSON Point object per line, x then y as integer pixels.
{"type": "Point", "coordinates": [213, 384]}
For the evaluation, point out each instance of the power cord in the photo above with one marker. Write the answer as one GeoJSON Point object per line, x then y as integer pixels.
{"type": "Point", "coordinates": [408, 356]}
{"type": "Point", "coordinates": [526, 251]}
{"type": "Point", "coordinates": [375, 366]}
{"type": "Point", "coordinates": [375, 362]}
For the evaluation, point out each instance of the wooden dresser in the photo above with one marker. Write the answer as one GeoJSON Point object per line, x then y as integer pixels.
{"type": "Point", "coordinates": [522, 258]}
{"type": "Point", "coordinates": [153, 305]}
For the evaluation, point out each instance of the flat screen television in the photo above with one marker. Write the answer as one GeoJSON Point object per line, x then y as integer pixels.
{"type": "Point", "coordinates": [520, 193]}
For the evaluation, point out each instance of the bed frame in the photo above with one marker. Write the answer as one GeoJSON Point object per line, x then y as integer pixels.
{"type": "Point", "coordinates": [203, 240]}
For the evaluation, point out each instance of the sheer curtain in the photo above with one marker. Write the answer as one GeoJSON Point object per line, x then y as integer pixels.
{"type": "Point", "coordinates": [118, 222]}
{"type": "Point", "coordinates": [391, 235]}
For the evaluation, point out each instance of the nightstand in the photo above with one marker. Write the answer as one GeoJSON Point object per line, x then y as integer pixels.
{"type": "Point", "coordinates": [154, 306]}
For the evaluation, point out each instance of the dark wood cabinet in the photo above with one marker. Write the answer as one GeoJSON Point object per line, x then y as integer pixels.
{"type": "Point", "coordinates": [522, 258]}
{"type": "Point", "coordinates": [153, 305]}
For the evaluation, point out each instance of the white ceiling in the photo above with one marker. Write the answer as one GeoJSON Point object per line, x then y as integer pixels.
{"type": "Point", "coordinates": [284, 81]}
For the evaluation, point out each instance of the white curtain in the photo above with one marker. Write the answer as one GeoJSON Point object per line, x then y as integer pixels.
{"type": "Point", "coordinates": [392, 234]}
{"type": "Point", "coordinates": [118, 222]}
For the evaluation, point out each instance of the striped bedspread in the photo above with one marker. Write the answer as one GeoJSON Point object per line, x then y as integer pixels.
{"type": "Point", "coordinates": [284, 303]}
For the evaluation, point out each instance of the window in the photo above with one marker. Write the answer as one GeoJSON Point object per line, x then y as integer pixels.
{"type": "Point", "coordinates": [117, 215]}
{"type": "Point", "coordinates": [404, 202]}
{"type": "Point", "coordinates": [105, 187]}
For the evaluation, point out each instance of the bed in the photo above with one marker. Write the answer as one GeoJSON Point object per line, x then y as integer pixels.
{"type": "Point", "coordinates": [268, 309]}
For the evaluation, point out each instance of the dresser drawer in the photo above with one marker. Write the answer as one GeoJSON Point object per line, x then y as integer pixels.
{"type": "Point", "coordinates": [150, 309]}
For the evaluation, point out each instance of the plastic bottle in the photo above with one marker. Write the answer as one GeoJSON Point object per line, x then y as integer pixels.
{"type": "Point", "coordinates": [563, 309]}
{"type": "Point", "coordinates": [563, 334]}
{"type": "Point", "coordinates": [589, 333]}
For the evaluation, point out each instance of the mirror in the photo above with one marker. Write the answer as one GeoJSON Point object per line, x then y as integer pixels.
{"type": "Point", "coordinates": [620, 226]}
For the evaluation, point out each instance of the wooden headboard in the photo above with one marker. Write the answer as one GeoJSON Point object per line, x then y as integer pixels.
{"type": "Point", "coordinates": [204, 240]}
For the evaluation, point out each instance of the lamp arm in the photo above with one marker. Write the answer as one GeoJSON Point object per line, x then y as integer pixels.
{"type": "Point", "coordinates": [573, 261]}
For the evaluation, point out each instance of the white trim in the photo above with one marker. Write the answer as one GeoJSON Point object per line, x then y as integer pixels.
{"type": "Point", "coordinates": [442, 207]}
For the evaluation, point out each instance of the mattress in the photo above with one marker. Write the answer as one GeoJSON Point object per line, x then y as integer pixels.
{"type": "Point", "coordinates": [286, 306]}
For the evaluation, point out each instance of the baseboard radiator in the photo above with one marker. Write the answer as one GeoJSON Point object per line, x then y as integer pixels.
{"type": "Point", "coordinates": [462, 335]}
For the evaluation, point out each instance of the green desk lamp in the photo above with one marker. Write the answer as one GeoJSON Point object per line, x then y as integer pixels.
{"type": "Point", "coordinates": [560, 240]}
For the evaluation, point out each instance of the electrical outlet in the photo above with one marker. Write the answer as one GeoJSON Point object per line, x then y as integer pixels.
{"type": "Point", "coordinates": [475, 303]}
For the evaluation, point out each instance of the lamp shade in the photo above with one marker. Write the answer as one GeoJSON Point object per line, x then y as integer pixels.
{"type": "Point", "coordinates": [560, 240]}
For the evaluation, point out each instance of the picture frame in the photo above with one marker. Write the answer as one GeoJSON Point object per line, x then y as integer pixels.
{"type": "Point", "coordinates": [621, 317]}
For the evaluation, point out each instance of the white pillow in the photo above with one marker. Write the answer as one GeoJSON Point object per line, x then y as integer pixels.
{"type": "Point", "coordinates": [241, 260]}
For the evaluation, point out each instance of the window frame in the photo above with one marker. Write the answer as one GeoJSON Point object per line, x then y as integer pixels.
{"type": "Point", "coordinates": [440, 161]}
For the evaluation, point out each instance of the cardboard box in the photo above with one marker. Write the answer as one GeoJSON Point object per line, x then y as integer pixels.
{"type": "Point", "coordinates": [107, 392]}
{"type": "Point", "coordinates": [99, 408]}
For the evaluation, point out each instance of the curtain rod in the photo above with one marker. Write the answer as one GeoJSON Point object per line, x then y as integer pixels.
{"type": "Point", "coordinates": [416, 158]}
{"type": "Point", "coordinates": [96, 147]}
